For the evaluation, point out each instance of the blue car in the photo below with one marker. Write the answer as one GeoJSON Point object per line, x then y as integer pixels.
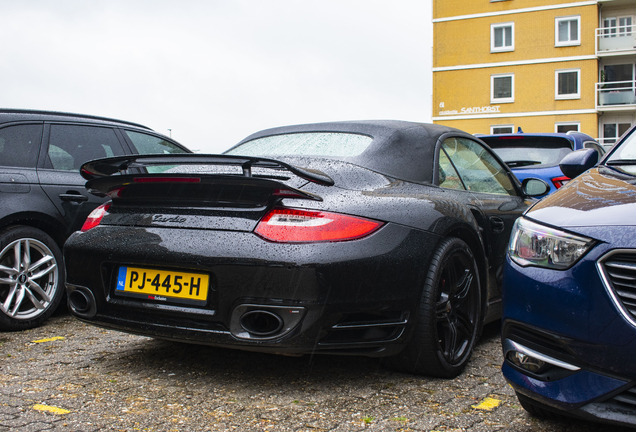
{"type": "Point", "coordinates": [538, 155]}
{"type": "Point", "coordinates": [569, 293]}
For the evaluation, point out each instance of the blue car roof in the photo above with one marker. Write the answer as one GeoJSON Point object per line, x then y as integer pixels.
{"type": "Point", "coordinates": [575, 137]}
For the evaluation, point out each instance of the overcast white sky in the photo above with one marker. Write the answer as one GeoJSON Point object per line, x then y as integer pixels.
{"type": "Point", "coordinates": [215, 71]}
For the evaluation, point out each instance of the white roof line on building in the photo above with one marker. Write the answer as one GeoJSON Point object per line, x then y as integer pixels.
{"type": "Point", "coordinates": [522, 114]}
{"type": "Point", "coordinates": [516, 11]}
{"type": "Point", "coordinates": [514, 63]}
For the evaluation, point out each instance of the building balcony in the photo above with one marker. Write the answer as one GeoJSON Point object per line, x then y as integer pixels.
{"type": "Point", "coordinates": [613, 41]}
{"type": "Point", "coordinates": [616, 96]}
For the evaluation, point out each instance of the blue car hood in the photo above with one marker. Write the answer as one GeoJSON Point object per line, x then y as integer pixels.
{"type": "Point", "coordinates": [602, 196]}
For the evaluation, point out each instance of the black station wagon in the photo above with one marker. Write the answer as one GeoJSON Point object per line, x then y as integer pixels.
{"type": "Point", "coordinates": [43, 199]}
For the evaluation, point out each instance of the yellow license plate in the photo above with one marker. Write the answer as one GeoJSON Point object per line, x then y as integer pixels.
{"type": "Point", "coordinates": [163, 285]}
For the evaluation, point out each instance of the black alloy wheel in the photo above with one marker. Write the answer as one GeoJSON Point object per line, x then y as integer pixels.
{"type": "Point", "coordinates": [457, 307]}
{"type": "Point", "coordinates": [449, 320]}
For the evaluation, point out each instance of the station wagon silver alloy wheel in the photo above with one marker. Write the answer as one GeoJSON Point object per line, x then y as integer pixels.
{"type": "Point", "coordinates": [30, 277]}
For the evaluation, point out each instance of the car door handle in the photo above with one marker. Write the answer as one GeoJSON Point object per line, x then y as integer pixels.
{"type": "Point", "coordinates": [497, 224]}
{"type": "Point", "coordinates": [73, 196]}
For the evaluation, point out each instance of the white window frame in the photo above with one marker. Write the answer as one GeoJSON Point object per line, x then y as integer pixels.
{"type": "Point", "coordinates": [572, 123]}
{"type": "Point", "coordinates": [504, 48]}
{"type": "Point", "coordinates": [511, 99]}
{"type": "Point", "coordinates": [493, 127]}
{"type": "Point", "coordinates": [569, 42]}
{"type": "Point", "coordinates": [609, 30]}
{"type": "Point", "coordinates": [616, 122]}
{"type": "Point", "coordinates": [628, 28]}
{"type": "Point", "coordinates": [576, 95]}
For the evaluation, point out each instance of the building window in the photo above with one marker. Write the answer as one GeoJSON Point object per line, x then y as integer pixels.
{"type": "Point", "coordinates": [613, 27]}
{"type": "Point", "coordinates": [501, 129]}
{"type": "Point", "coordinates": [567, 127]}
{"type": "Point", "coordinates": [567, 31]}
{"type": "Point", "coordinates": [613, 131]}
{"type": "Point", "coordinates": [502, 37]}
{"type": "Point", "coordinates": [502, 88]}
{"type": "Point", "coordinates": [567, 84]}
{"type": "Point", "coordinates": [625, 26]}
{"type": "Point", "coordinates": [609, 27]}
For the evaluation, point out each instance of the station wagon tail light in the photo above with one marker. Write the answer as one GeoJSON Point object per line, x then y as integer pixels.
{"type": "Point", "coordinates": [284, 225]}
{"type": "Point", "coordinates": [560, 181]}
{"type": "Point", "coordinates": [95, 217]}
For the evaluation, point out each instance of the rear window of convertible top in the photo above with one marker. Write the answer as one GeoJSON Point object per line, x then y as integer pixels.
{"type": "Point", "coordinates": [334, 144]}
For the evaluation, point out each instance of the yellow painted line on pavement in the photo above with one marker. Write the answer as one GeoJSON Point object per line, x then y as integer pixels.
{"type": "Point", "coordinates": [49, 339]}
{"type": "Point", "coordinates": [487, 404]}
{"type": "Point", "coordinates": [51, 409]}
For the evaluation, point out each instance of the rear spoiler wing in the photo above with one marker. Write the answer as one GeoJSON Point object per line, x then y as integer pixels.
{"type": "Point", "coordinates": [126, 180]}
{"type": "Point", "coordinates": [100, 168]}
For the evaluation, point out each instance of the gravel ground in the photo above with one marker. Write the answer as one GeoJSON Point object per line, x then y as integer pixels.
{"type": "Point", "coordinates": [69, 376]}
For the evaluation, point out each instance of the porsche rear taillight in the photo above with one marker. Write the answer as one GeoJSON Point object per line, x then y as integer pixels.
{"type": "Point", "coordinates": [283, 225]}
{"type": "Point", "coordinates": [95, 217]}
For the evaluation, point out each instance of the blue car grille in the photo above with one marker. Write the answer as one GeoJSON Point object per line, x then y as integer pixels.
{"type": "Point", "coordinates": [619, 271]}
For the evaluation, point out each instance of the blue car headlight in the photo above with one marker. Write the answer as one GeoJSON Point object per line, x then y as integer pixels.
{"type": "Point", "coordinates": [533, 244]}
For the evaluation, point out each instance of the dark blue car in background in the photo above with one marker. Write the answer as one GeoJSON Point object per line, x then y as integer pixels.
{"type": "Point", "coordinates": [538, 155]}
{"type": "Point", "coordinates": [569, 304]}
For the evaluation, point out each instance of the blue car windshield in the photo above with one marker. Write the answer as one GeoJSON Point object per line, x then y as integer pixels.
{"type": "Point", "coordinates": [334, 144]}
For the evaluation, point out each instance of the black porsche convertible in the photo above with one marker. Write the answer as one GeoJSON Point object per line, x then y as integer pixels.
{"type": "Point", "coordinates": [374, 238]}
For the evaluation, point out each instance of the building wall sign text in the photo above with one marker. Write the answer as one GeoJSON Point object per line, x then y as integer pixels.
{"type": "Point", "coordinates": [472, 110]}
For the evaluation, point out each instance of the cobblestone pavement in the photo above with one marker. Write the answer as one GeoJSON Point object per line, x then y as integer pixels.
{"type": "Point", "coordinates": [68, 376]}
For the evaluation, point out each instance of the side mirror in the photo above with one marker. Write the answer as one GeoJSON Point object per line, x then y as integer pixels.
{"type": "Point", "coordinates": [578, 162]}
{"type": "Point", "coordinates": [534, 187]}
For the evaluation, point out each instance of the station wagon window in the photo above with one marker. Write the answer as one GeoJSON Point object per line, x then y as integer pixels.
{"type": "Point", "coordinates": [150, 144]}
{"type": "Point", "coordinates": [478, 169]}
{"type": "Point", "coordinates": [502, 88]}
{"type": "Point", "coordinates": [567, 84]}
{"type": "Point", "coordinates": [335, 144]}
{"type": "Point", "coordinates": [20, 145]}
{"type": "Point", "coordinates": [70, 146]}
{"type": "Point", "coordinates": [567, 31]}
{"type": "Point", "coordinates": [502, 37]}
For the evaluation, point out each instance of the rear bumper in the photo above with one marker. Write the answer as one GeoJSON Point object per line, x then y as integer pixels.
{"type": "Point", "coordinates": [356, 297]}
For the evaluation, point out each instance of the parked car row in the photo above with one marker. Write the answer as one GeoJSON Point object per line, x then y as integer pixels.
{"type": "Point", "coordinates": [378, 238]}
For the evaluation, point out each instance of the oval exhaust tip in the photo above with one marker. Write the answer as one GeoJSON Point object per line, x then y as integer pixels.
{"type": "Point", "coordinates": [79, 301]}
{"type": "Point", "coordinates": [261, 323]}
